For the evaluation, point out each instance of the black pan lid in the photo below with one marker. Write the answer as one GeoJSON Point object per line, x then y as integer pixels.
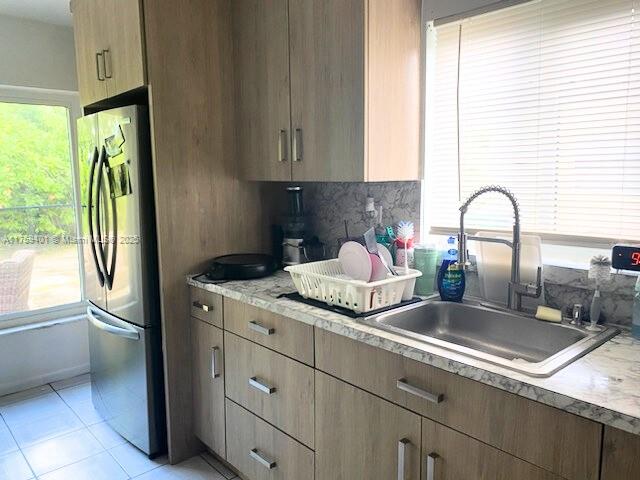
{"type": "Point", "coordinates": [241, 266]}
{"type": "Point", "coordinates": [245, 259]}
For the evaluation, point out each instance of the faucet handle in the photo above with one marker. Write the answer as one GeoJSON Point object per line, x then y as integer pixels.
{"type": "Point", "coordinates": [533, 290]}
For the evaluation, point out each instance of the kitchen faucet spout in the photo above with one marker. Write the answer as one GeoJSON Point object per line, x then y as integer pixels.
{"type": "Point", "coordinates": [516, 289]}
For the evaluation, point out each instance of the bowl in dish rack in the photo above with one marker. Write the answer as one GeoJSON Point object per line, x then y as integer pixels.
{"type": "Point", "coordinates": [326, 281]}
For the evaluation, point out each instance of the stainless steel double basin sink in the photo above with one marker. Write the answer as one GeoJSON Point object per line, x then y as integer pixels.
{"type": "Point", "coordinates": [506, 338]}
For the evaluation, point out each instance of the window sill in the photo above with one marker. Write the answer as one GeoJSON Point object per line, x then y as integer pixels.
{"type": "Point", "coordinates": [44, 316]}
{"type": "Point", "coordinates": [40, 325]}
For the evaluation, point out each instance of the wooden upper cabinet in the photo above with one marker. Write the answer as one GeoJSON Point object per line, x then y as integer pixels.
{"type": "Point", "coordinates": [261, 56]}
{"type": "Point", "coordinates": [348, 73]}
{"type": "Point", "coordinates": [109, 44]}
{"type": "Point", "coordinates": [125, 46]}
{"type": "Point", "coordinates": [88, 30]}
{"type": "Point", "coordinates": [328, 89]}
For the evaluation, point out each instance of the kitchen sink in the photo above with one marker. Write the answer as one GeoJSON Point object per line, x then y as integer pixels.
{"type": "Point", "coordinates": [503, 337]}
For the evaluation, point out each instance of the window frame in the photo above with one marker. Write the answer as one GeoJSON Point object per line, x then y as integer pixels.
{"type": "Point", "coordinates": [71, 101]}
{"type": "Point", "coordinates": [552, 244]}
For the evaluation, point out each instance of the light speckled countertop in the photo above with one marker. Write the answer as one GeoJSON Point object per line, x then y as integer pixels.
{"type": "Point", "coordinates": [604, 385]}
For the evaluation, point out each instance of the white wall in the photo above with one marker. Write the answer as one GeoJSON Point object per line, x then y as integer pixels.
{"type": "Point", "coordinates": [36, 54]}
{"type": "Point", "coordinates": [434, 9]}
{"type": "Point", "coordinates": [32, 357]}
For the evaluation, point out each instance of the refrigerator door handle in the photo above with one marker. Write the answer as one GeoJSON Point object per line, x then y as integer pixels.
{"type": "Point", "coordinates": [119, 331]}
{"type": "Point", "coordinates": [90, 216]}
{"type": "Point", "coordinates": [110, 271]}
{"type": "Point", "coordinates": [99, 192]}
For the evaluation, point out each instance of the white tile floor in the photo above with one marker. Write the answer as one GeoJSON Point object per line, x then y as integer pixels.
{"type": "Point", "coordinates": [54, 433]}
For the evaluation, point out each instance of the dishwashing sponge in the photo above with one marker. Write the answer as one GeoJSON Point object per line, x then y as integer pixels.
{"type": "Point", "coordinates": [548, 314]}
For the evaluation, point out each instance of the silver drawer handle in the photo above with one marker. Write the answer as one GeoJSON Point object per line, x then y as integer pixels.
{"type": "Point", "coordinates": [261, 459]}
{"type": "Point", "coordinates": [202, 306]}
{"type": "Point", "coordinates": [215, 372]}
{"type": "Point", "coordinates": [403, 385]}
{"type": "Point", "coordinates": [431, 466]}
{"type": "Point", "coordinates": [402, 455]}
{"type": "Point", "coordinates": [256, 327]}
{"type": "Point", "coordinates": [255, 383]}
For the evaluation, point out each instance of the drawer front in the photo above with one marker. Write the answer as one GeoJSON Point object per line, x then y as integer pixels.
{"type": "Point", "coordinates": [287, 336]}
{"type": "Point", "coordinates": [208, 384]}
{"type": "Point", "coordinates": [274, 387]}
{"type": "Point", "coordinates": [442, 449]}
{"type": "Point", "coordinates": [206, 306]}
{"type": "Point", "coordinates": [524, 428]}
{"type": "Point", "coordinates": [261, 452]}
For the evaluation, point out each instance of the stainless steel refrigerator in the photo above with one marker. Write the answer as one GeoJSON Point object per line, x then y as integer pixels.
{"type": "Point", "coordinates": [121, 278]}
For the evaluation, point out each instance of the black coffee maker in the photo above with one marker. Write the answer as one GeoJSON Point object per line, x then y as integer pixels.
{"type": "Point", "coordinates": [297, 245]}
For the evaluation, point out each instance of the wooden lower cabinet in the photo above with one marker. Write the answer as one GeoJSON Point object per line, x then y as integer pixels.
{"type": "Point", "coordinates": [274, 387]}
{"type": "Point", "coordinates": [450, 455]}
{"type": "Point", "coordinates": [620, 455]}
{"type": "Point", "coordinates": [208, 385]}
{"type": "Point", "coordinates": [262, 452]}
{"type": "Point", "coordinates": [521, 427]}
{"type": "Point", "coordinates": [361, 436]}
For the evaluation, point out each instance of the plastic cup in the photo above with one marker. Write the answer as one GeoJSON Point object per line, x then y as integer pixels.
{"type": "Point", "coordinates": [426, 260]}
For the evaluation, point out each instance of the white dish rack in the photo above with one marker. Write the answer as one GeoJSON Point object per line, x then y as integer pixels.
{"type": "Point", "coordinates": [325, 281]}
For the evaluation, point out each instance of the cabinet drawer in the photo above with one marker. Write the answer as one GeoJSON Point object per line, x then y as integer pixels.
{"type": "Point", "coordinates": [208, 384]}
{"type": "Point", "coordinates": [294, 339]}
{"type": "Point", "coordinates": [207, 306]}
{"type": "Point", "coordinates": [442, 449]}
{"type": "Point", "coordinates": [261, 452]}
{"type": "Point", "coordinates": [524, 428]}
{"type": "Point", "coordinates": [272, 386]}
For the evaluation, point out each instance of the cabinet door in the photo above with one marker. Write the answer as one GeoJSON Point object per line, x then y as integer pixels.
{"type": "Point", "coordinates": [88, 31]}
{"type": "Point", "coordinates": [327, 89]}
{"type": "Point", "coordinates": [124, 58]}
{"type": "Point", "coordinates": [359, 435]}
{"type": "Point", "coordinates": [261, 56]}
{"type": "Point", "coordinates": [620, 455]}
{"type": "Point", "coordinates": [449, 455]}
{"type": "Point", "coordinates": [208, 385]}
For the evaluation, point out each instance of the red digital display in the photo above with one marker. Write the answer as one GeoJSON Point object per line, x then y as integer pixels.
{"type": "Point", "coordinates": [635, 259]}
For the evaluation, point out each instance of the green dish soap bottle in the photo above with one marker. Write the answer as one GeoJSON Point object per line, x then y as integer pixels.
{"type": "Point", "coordinates": [451, 279]}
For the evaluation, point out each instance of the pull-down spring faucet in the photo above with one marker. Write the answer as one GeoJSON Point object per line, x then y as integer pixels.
{"type": "Point", "coordinates": [516, 289]}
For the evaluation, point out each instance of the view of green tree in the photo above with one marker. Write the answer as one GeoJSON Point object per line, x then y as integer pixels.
{"type": "Point", "coordinates": [35, 171]}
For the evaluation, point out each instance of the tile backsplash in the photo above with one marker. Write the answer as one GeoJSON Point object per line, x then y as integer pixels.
{"type": "Point", "coordinates": [328, 205]}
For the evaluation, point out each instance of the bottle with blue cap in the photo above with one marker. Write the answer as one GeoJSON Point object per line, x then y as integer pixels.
{"type": "Point", "coordinates": [451, 280]}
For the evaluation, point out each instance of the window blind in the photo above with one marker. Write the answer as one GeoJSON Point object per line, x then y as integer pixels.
{"type": "Point", "coordinates": [544, 99]}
